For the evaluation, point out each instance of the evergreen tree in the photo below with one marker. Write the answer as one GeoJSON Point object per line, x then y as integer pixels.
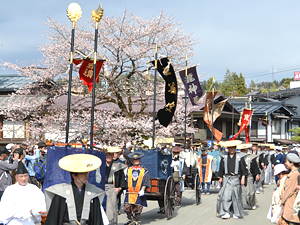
{"type": "Point", "coordinates": [297, 134]}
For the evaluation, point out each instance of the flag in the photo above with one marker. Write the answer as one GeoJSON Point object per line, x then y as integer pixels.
{"type": "Point", "coordinates": [86, 71]}
{"type": "Point", "coordinates": [207, 116]}
{"type": "Point", "coordinates": [166, 70]}
{"type": "Point", "coordinates": [247, 115]}
{"type": "Point", "coordinates": [218, 108]}
{"type": "Point", "coordinates": [192, 84]}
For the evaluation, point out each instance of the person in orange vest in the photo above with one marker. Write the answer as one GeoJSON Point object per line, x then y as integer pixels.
{"type": "Point", "coordinates": [205, 162]}
{"type": "Point", "coordinates": [138, 180]}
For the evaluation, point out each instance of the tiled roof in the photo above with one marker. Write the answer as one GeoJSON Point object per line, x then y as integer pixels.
{"type": "Point", "coordinates": [11, 82]}
{"type": "Point", "coordinates": [26, 100]}
{"type": "Point", "coordinates": [260, 108]}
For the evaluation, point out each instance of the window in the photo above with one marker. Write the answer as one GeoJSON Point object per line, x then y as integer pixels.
{"type": "Point", "coordinates": [276, 126]}
{"type": "Point", "coordinates": [13, 129]}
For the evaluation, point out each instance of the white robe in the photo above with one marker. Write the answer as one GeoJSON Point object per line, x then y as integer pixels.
{"type": "Point", "coordinates": [17, 202]}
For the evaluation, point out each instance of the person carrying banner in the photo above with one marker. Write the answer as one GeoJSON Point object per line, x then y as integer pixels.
{"type": "Point", "coordinates": [114, 184]}
{"type": "Point", "coordinates": [77, 202]}
{"type": "Point", "coordinates": [232, 175]}
{"type": "Point", "coordinates": [205, 162]}
{"type": "Point", "coordinates": [138, 180]}
{"type": "Point", "coordinates": [248, 190]}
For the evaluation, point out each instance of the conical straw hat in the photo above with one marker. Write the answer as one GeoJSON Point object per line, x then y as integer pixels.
{"type": "Point", "coordinates": [80, 163]}
{"type": "Point", "coordinates": [230, 143]}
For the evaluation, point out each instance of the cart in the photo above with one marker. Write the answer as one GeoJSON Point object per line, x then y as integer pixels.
{"type": "Point", "coordinates": [158, 165]}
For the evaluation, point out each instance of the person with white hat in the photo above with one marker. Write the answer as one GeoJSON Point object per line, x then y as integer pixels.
{"type": "Point", "coordinates": [248, 190]}
{"type": "Point", "coordinates": [77, 202]}
{"type": "Point", "coordinates": [281, 172]}
{"type": "Point", "coordinates": [138, 180]}
{"type": "Point", "coordinates": [290, 191]}
{"type": "Point", "coordinates": [22, 202]}
{"type": "Point", "coordinates": [279, 159]}
{"type": "Point", "coordinates": [114, 184]}
{"type": "Point", "coordinates": [232, 175]}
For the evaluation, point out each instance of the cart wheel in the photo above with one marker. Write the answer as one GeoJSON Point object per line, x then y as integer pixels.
{"type": "Point", "coordinates": [198, 189]}
{"type": "Point", "coordinates": [169, 197]}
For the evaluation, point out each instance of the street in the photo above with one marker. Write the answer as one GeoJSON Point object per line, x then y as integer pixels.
{"type": "Point", "coordinates": [205, 213]}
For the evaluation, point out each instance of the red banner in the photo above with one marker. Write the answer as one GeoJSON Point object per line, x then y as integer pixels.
{"type": "Point", "coordinates": [86, 71]}
{"type": "Point", "coordinates": [247, 114]}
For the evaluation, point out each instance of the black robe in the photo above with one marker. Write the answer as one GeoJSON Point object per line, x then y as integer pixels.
{"type": "Point", "coordinates": [58, 212]}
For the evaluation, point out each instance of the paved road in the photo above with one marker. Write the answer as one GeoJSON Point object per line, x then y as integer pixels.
{"type": "Point", "coordinates": [205, 213]}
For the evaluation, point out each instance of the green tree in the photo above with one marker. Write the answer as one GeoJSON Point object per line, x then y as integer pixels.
{"type": "Point", "coordinates": [273, 88]}
{"type": "Point", "coordinates": [233, 82]}
{"type": "Point", "coordinates": [287, 82]}
{"type": "Point", "coordinates": [297, 134]}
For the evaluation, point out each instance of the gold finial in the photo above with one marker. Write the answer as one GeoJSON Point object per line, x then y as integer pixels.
{"type": "Point", "coordinates": [97, 14]}
{"type": "Point", "coordinates": [74, 12]}
{"type": "Point", "coordinates": [84, 141]}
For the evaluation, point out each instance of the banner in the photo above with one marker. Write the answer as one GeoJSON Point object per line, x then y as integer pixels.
{"type": "Point", "coordinates": [86, 71]}
{"type": "Point", "coordinates": [192, 84]}
{"type": "Point", "coordinates": [56, 175]}
{"type": "Point", "coordinates": [218, 108]}
{"type": "Point", "coordinates": [166, 70]}
{"type": "Point", "coordinates": [207, 116]}
{"type": "Point", "coordinates": [247, 114]}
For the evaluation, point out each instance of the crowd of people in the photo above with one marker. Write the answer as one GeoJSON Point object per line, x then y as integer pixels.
{"type": "Point", "coordinates": [240, 171]}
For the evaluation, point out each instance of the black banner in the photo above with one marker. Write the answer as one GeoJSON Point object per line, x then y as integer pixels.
{"type": "Point", "coordinates": [166, 70]}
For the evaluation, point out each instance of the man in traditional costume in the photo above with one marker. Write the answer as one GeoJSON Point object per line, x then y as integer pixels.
{"type": "Point", "coordinates": [78, 202]}
{"type": "Point", "coordinates": [22, 202]}
{"type": "Point", "coordinates": [290, 189]}
{"type": "Point", "coordinates": [138, 181]}
{"type": "Point", "coordinates": [205, 162]}
{"type": "Point", "coordinates": [270, 161]}
{"type": "Point", "coordinates": [180, 171]}
{"type": "Point", "coordinates": [248, 190]}
{"type": "Point", "coordinates": [257, 150]}
{"type": "Point", "coordinates": [114, 184]}
{"type": "Point", "coordinates": [232, 175]}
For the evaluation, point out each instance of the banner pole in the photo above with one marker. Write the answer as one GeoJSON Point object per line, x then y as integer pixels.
{"type": "Point", "coordinates": [96, 16]}
{"type": "Point", "coordinates": [154, 98]}
{"type": "Point", "coordinates": [185, 100]}
{"type": "Point", "coordinates": [212, 111]}
{"type": "Point", "coordinates": [74, 13]}
{"type": "Point", "coordinates": [250, 120]}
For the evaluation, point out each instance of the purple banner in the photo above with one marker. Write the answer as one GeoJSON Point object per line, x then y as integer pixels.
{"type": "Point", "coordinates": [192, 84]}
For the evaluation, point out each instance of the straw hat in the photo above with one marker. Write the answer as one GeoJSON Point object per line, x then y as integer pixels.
{"type": "Point", "coordinates": [177, 149]}
{"type": "Point", "coordinates": [113, 149]}
{"type": "Point", "coordinates": [135, 155]}
{"type": "Point", "coordinates": [80, 163]}
{"type": "Point", "coordinates": [232, 143]}
{"type": "Point", "coordinates": [244, 146]}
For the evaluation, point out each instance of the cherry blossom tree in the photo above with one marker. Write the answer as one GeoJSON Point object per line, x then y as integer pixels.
{"type": "Point", "coordinates": [127, 43]}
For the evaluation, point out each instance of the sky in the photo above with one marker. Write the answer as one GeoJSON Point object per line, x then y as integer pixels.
{"type": "Point", "coordinates": [259, 39]}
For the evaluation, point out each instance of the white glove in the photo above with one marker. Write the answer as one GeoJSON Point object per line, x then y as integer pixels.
{"type": "Point", "coordinates": [124, 192]}
{"type": "Point", "coordinates": [141, 193]}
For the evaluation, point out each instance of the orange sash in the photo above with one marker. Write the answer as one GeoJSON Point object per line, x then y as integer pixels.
{"type": "Point", "coordinates": [133, 195]}
{"type": "Point", "coordinates": [206, 172]}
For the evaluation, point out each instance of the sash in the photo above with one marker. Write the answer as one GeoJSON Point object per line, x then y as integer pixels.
{"type": "Point", "coordinates": [206, 171]}
{"type": "Point", "coordinates": [133, 195]}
